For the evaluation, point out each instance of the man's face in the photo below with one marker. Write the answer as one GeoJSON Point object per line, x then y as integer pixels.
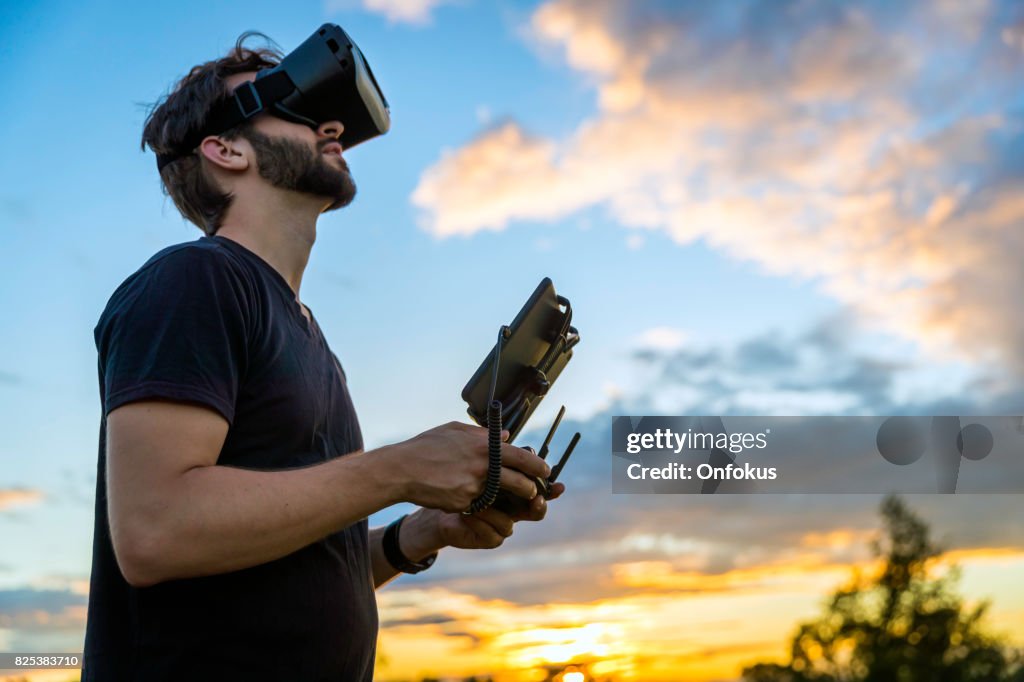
{"type": "Point", "coordinates": [295, 157]}
{"type": "Point", "coordinates": [291, 164]}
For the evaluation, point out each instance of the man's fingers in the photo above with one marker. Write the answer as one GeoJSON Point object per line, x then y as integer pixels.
{"type": "Point", "coordinates": [537, 510]}
{"type": "Point", "coordinates": [484, 532]}
{"type": "Point", "coordinates": [517, 484]}
{"type": "Point", "coordinates": [525, 461]}
{"type": "Point", "coordinates": [501, 522]}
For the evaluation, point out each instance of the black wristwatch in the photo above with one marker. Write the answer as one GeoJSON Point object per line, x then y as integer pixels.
{"type": "Point", "coordinates": [394, 555]}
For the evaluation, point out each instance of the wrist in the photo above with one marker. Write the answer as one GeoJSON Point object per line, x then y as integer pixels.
{"type": "Point", "coordinates": [388, 475]}
{"type": "Point", "coordinates": [420, 534]}
{"type": "Point", "coordinates": [399, 560]}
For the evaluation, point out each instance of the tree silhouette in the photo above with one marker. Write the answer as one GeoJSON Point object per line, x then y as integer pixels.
{"type": "Point", "coordinates": [901, 625]}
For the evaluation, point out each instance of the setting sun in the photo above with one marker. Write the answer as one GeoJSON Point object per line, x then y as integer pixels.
{"type": "Point", "coordinates": [561, 645]}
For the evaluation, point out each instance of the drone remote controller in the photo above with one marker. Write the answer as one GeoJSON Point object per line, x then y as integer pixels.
{"type": "Point", "coordinates": [528, 356]}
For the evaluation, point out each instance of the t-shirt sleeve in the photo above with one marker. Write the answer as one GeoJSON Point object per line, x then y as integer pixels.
{"type": "Point", "coordinates": [177, 330]}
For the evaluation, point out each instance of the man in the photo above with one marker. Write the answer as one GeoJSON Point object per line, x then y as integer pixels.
{"type": "Point", "coordinates": [231, 540]}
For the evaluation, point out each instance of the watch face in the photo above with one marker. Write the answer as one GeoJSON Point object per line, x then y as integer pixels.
{"type": "Point", "coordinates": [423, 565]}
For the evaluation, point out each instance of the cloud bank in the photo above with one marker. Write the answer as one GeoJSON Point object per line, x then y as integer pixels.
{"type": "Point", "coordinates": [875, 149]}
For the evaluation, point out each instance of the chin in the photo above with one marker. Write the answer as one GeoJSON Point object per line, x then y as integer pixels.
{"type": "Point", "coordinates": [341, 201]}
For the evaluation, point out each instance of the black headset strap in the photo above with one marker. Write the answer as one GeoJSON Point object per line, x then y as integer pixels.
{"type": "Point", "coordinates": [249, 99]}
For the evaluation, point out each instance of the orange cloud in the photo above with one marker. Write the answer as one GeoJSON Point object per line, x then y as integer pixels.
{"type": "Point", "coordinates": [10, 497]}
{"type": "Point", "coordinates": [673, 624]}
{"type": "Point", "coordinates": [812, 141]}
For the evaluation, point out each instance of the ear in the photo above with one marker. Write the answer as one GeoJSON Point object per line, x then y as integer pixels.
{"type": "Point", "coordinates": [230, 155]}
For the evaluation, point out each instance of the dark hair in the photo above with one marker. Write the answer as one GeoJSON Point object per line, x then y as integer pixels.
{"type": "Point", "coordinates": [185, 109]}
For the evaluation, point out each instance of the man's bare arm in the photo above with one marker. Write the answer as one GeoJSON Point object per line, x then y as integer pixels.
{"type": "Point", "coordinates": [174, 513]}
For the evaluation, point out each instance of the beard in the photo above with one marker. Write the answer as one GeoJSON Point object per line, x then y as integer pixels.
{"type": "Point", "coordinates": [291, 165]}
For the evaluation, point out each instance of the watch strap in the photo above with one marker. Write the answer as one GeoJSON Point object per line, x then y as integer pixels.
{"type": "Point", "coordinates": [394, 555]}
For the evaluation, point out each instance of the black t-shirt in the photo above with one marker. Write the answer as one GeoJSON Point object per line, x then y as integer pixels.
{"type": "Point", "coordinates": [211, 323]}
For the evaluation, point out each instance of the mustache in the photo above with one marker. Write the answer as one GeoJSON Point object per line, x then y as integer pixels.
{"type": "Point", "coordinates": [321, 146]}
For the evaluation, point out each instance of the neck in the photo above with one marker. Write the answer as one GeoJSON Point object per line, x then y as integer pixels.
{"type": "Point", "coordinates": [279, 227]}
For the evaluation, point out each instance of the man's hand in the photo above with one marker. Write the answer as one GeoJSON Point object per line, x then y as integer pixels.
{"type": "Point", "coordinates": [444, 468]}
{"type": "Point", "coordinates": [489, 528]}
{"type": "Point", "coordinates": [426, 531]}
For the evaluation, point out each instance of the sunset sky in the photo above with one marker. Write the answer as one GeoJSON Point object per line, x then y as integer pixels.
{"type": "Point", "coordinates": [775, 207]}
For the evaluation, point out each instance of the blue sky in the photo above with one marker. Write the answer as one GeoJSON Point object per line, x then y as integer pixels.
{"type": "Point", "coordinates": [83, 209]}
{"type": "Point", "coordinates": [691, 200]}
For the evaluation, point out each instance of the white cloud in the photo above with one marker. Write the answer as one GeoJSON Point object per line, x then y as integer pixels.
{"type": "Point", "coordinates": [839, 144]}
{"type": "Point", "coordinates": [484, 115]}
{"type": "Point", "coordinates": [661, 338]}
{"type": "Point", "coordinates": [1013, 35]}
{"type": "Point", "coordinates": [405, 11]}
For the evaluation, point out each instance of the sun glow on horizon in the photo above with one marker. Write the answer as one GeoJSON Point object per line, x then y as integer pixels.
{"type": "Point", "coordinates": [542, 646]}
{"type": "Point", "coordinates": [702, 627]}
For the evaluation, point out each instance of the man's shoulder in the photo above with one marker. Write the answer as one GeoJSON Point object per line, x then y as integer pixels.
{"type": "Point", "coordinates": [205, 258]}
{"type": "Point", "coordinates": [189, 269]}
{"type": "Point", "coordinates": [186, 256]}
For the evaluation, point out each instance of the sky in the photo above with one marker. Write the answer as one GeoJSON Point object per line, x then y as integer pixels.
{"type": "Point", "coordinates": [755, 208]}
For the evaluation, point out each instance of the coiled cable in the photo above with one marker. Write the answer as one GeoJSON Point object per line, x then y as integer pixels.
{"type": "Point", "coordinates": [492, 484]}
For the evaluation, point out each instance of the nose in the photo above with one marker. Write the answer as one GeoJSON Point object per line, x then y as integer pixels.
{"type": "Point", "coordinates": [330, 129]}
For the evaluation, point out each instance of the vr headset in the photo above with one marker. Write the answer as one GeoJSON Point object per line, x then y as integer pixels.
{"type": "Point", "coordinates": [326, 78]}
